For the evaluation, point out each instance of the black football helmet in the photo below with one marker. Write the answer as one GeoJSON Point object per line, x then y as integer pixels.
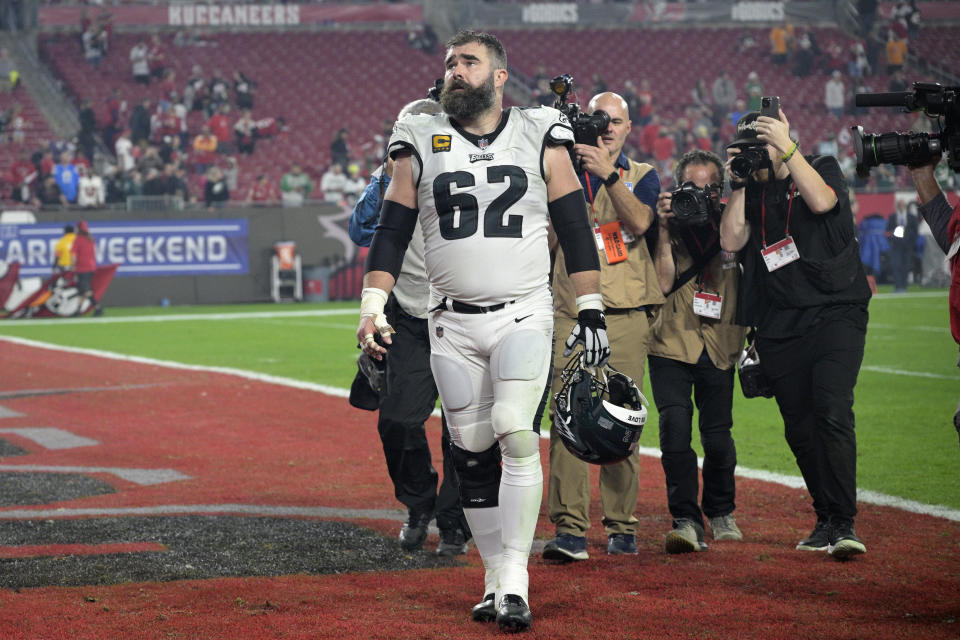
{"type": "Point", "coordinates": [599, 413]}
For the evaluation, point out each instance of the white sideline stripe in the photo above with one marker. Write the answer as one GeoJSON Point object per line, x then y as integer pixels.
{"type": "Point", "coordinates": [908, 296]}
{"type": "Point", "coordinates": [245, 509]}
{"type": "Point", "coordinates": [9, 413]}
{"type": "Point", "coordinates": [795, 482]}
{"type": "Point", "coordinates": [896, 327]}
{"type": "Point", "coordinates": [143, 477]}
{"type": "Point", "coordinates": [183, 316]}
{"type": "Point", "coordinates": [914, 374]}
{"type": "Point", "coordinates": [52, 437]}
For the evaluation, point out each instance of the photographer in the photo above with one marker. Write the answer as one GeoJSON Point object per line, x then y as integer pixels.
{"type": "Point", "coordinates": [694, 346]}
{"type": "Point", "coordinates": [805, 290]}
{"type": "Point", "coordinates": [621, 195]}
{"type": "Point", "coordinates": [945, 226]}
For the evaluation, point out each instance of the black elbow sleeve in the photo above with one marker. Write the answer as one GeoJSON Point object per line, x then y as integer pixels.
{"type": "Point", "coordinates": [391, 238]}
{"type": "Point", "coordinates": [572, 224]}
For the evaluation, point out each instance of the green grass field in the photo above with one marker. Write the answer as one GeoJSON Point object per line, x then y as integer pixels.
{"type": "Point", "coordinates": [905, 398]}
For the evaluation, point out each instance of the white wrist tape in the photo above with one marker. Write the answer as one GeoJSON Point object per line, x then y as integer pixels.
{"type": "Point", "coordinates": [372, 302]}
{"type": "Point", "coordinates": [588, 301]}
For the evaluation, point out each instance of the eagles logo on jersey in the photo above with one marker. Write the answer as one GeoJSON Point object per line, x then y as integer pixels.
{"type": "Point", "coordinates": [483, 202]}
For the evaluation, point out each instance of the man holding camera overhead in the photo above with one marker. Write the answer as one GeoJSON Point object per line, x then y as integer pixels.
{"type": "Point", "coordinates": [694, 346]}
{"type": "Point", "coordinates": [621, 195]}
{"type": "Point", "coordinates": [806, 291]}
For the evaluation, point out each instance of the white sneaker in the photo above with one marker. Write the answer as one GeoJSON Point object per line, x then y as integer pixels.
{"type": "Point", "coordinates": [725, 528]}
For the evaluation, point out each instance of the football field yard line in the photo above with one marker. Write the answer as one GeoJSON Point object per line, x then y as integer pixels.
{"type": "Point", "coordinates": [871, 497]}
{"type": "Point", "coordinates": [914, 374]}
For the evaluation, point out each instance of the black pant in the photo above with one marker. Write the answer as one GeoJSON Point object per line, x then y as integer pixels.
{"type": "Point", "coordinates": [410, 398]}
{"type": "Point", "coordinates": [813, 376]}
{"type": "Point", "coordinates": [672, 381]}
{"type": "Point", "coordinates": [900, 264]}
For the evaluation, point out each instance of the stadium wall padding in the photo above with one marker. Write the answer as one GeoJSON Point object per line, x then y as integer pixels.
{"type": "Point", "coordinates": [318, 230]}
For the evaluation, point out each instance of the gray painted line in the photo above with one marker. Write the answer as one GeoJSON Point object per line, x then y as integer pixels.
{"type": "Point", "coordinates": [32, 393]}
{"type": "Point", "coordinates": [9, 413]}
{"type": "Point", "coordinates": [51, 437]}
{"type": "Point", "coordinates": [142, 477]}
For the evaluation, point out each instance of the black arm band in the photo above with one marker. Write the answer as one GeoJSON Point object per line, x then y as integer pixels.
{"type": "Point", "coordinates": [572, 224]}
{"type": "Point", "coordinates": [391, 238]}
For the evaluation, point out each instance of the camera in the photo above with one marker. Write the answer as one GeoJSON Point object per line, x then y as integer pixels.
{"type": "Point", "coordinates": [586, 128]}
{"type": "Point", "coordinates": [911, 148]}
{"type": "Point", "coordinates": [694, 205]}
{"type": "Point", "coordinates": [750, 159]}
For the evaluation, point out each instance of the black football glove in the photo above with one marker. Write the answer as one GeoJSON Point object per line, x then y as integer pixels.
{"type": "Point", "coordinates": [591, 332]}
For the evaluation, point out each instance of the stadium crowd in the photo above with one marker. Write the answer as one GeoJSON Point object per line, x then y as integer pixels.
{"type": "Point", "coordinates": [153, 151]}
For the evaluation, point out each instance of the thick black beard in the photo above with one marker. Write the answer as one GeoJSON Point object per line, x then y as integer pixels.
{"type": "Point", "coordinates": [470, 103]}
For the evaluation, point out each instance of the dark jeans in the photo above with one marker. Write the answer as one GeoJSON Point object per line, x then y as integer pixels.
{"type": "Point", "coordinates": [672, 382]}
{"type": "Point", "coordinates": [412, 395]}
{"type": "Point", "coordinates": [900, 259]}
{"type": "Point", "coordinates": [813, 376]}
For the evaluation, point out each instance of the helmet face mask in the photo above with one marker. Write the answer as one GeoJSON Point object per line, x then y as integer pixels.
{"type": "Point", "coordinates": [599, 413]}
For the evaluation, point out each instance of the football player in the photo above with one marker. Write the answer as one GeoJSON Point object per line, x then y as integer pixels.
{"type": "Point", "coordinates": [485, 183]}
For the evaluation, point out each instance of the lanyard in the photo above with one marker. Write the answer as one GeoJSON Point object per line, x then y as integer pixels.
{"type": "Point", "coordinates": [763, 213]}
{"type": "Point", "coordinates": [586, 173]}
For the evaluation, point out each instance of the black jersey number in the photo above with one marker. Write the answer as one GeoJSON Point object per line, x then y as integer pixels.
{"type": "Point", "coordinates": [495, 224]}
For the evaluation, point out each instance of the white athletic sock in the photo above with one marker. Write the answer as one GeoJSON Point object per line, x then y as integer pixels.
{"type": "Point", "coordinates": [485, 529]}
{"type": "Point", "coordinates": [521, 490]}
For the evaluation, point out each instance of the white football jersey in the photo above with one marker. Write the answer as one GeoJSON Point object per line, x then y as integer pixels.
{"type": "Point", "coordinates": [483, 202]}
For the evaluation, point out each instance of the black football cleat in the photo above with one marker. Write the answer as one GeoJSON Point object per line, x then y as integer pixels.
{"type": "Point", "coordinates": [514, 614]}
{"type": "Point", "coordinates": [486, 610]}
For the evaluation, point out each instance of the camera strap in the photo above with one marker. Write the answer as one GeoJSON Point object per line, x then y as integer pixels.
{"type": "Point", "coordinates": [782, 252]}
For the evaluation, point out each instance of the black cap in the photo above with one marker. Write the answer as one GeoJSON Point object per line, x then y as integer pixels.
{"type": "Point", "coordinates": [747, 130]}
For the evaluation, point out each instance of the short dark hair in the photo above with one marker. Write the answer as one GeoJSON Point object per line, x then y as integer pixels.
{"type": "Point", "coordinates": [697, 156]}
{"type": "Point", "coordinates": [69, 229]}
{"type": "Point", "coordinates": [498, 55]}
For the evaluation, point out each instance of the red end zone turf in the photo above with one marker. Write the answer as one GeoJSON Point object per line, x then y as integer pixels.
{"type": "Point", "coordinates": [243, 442]}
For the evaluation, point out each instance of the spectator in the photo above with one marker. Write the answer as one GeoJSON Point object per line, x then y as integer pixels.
{"type": "Point", "coordinates": [753, 89]}
{"type": "Point", "coordinates": [243, 88]}
{"type": "Point", "coordinates": [739, 108]}
{"type": "Point", "coordinates": [90, 192]}
{"type": "Point", "coordinates": [835, 97]}
{"type": "Point", "coordinates": [49, 193]}
{"type": "Point", "coordinates": [271, 127]}
{"type": "Point", "coordinates": [215, 191]}
{"type": "Point", "coordinates": [859, 65]}
{"type": "Point", "coordinates": [649, 135]}
{"type": "Point", "coordinates": [781, 40]}
{"type": "Point", "coordinates": [155, 184]}
{"type": "Point", "coordinates": [828, 146]}
{"type": "Point", "coordinates": [114, 110]}
{"type": "Point", "coordinates": [140, 122]}
{"type": "Point", "coordinates": [896, 53]}
{"type": "Point", "coordinates": [246, 131]}
{"type": "Point", "coordinates": [724, 95]}
{"type": "Point", "coordinates": [263, 190]}
{"type": "Point", "coordinates": [156, 57]}
{"type": "Point", "coordinates": [91, 48]}
{"type": "Point", "coordinates": [700, 94]}
{"type": "Point", "coordinates": [803, 62]}
{"type": "Point", "coordinates": [663, 149]}
{"type": "Point", "coordinates": [175, 182]}
{"type": "Point", "coordinates": [88, 130]}
{"type": "Point", "coordinates": [219, 124]}
{"type": "Point", "coordinates": [219, 92]}
{"type": "Point", "coordinates": [9, 76]}
{"type": "Point", "coordinates": [84, 255]}
{"type": "Point", "coordinates": [204, 150]}
{"type": "Point", "coordinates": [340, 149]}
{"type": "Point", "coordinates": [139, 60]}
{"type": "Point", "coordinates": [67, 177]}
{"type": "Point", "coordinates": [898, 82]}
{"type": "Point", "coordinates": [231, 173]}
{"type": "Point", "coordinates": [124, 150]}
{"type": "Point", "coordinates": [195, 95]}
{"type": "Point", "coordinates": [295, 187]}
{"type": "Point", "coordinates": [333, 183]}
{"type": "Point", "coordinates": [645, 99]}
{"type": "Point", "coordinates": [902, 229]}
{"type": "Point", "coordinates": [355, 184]}
{"type": "Point", "coordinates": [22, 178]}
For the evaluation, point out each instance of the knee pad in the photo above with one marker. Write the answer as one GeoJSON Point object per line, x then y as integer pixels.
{"type": "Point", "coordinates": [479, 475]}
{"type": "Point", "coordinates": [456, 389]}
{"type": "Point", "coordinates": [522, 472]}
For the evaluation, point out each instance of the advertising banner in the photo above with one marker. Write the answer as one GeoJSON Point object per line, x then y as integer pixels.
{"type": "Point", "coordinates": [140, 248]}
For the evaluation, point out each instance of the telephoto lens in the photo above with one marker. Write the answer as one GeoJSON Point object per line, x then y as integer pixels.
{"type": "Point", "coordinates": [873, 149]}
